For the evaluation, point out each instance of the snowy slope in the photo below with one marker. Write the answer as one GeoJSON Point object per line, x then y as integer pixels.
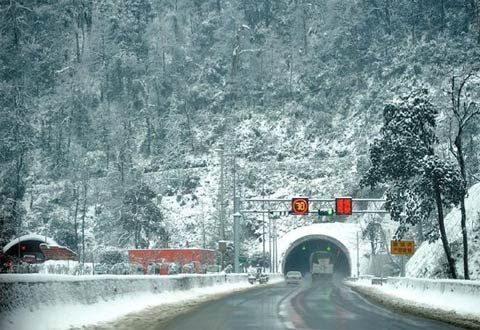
{"type": "Point", "coordinates": [429, 259]}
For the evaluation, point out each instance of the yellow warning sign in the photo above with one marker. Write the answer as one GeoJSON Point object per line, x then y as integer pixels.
{"type": "Point", "coordinates": [402, 247]}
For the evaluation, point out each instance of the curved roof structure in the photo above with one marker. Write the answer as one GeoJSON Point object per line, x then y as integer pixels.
{"type": "Point", "coordinates": [29, 237]}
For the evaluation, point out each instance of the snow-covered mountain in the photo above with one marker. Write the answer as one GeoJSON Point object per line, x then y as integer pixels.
{"type": "Point", "coordinates": [124, 99]}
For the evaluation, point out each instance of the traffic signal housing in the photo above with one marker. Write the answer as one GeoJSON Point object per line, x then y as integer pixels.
{"type": "Point", "coordinates": [327, 212]}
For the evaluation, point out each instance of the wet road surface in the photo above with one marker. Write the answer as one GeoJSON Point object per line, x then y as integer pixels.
{"type": "Point", "coordinates": [316, 305]}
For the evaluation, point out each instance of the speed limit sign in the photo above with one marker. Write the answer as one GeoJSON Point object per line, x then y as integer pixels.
{"type": "Point", "coordinates": [300, 206]}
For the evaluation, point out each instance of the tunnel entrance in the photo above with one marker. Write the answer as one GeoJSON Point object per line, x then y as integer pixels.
{"type": "Point", "coordinates": [297, 257]}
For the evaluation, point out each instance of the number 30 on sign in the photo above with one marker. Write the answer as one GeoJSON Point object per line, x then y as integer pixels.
{"type": "Point", "coordinates": [300, 206]}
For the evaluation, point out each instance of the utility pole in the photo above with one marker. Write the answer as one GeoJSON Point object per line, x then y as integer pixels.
{"type": "Point", "coordinates": [236, 219]}
{"type": "Point", "coordinates": [263, 240]}
{"type": "Point", "coordinates": [270, 241]}
{"type": "Point", "coordinates": [358, 259]}
{"type": "Point", "coordinates": [203, 234]}
{"type": "Point", "coordinates": [275, 247]}
{"type": "Point", "coordinates": [235, 202]}
{"type": "Point", "coordinates": [263, 230]}
{"type": "Point", "coordinates": [45, 221]}
{"type": "Point", "coordinates": [236, 239]}
{"type": "Point", "coordinates": [221, 195]}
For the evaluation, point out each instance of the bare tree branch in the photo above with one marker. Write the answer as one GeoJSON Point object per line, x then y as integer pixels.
{"type": "Point", "coordinates": [470, 115]}
{"type": "Point", "coordinates": [451, 144]}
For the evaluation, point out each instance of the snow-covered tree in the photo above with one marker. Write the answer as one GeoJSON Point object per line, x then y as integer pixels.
{"type": "Point", "coordinates": [374, 233]}
{"type": "Point", "coordinates": [464, 111]}
{"type": "Point", "coordinates": [141, 220]}
{"type": "Point", "coordinates": [403, 157]}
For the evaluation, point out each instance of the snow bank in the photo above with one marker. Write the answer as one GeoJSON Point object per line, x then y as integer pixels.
{"type": "Point", "coordinates": [44, 301]}
{"type": "Point", "coordinates": [460, 296]}
{"type": "Point", "coordinates": [429, 259]}
{"type": "Point", "coordinates": [34, 290]}
{"type": "Point", "coordinates": [453, 301]}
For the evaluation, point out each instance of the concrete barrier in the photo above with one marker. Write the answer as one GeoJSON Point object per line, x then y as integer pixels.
{"type": "Point", "coordinates": [451, 301]}
{"type": "Point", "coordinates": [441, 286]}
{"type": "Point", "coordinates": [32, 291]}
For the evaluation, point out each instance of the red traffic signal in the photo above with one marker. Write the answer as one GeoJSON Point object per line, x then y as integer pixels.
{"type": "Point", "coordinates": [300, 206]}
{"type": "Point", "coordinates": [343, 205]}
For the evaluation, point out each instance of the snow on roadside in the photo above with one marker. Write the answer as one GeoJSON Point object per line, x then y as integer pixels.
{"type": "Point", "coordinates": [66, 316]}
{"type": "Point", "coordinates": [449, 305]}
{"type": "Point", "coordinates": [158, 316]}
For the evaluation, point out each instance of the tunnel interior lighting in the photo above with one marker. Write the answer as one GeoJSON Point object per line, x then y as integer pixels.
{"type": "Point", "coordinates": [298, 258]}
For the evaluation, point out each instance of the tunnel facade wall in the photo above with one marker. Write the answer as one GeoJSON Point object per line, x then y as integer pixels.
{"type": "Point", "coordinates": [342, 235]}
{"type": "Point", "coordinates": [311, 238]}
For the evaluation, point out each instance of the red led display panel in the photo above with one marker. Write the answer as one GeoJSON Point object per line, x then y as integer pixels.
{"type": "Point", "coordinates": [343, 205]}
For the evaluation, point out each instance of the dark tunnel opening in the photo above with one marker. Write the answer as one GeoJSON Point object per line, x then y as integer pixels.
{"type": "Point", "coordinates": [298, 258]}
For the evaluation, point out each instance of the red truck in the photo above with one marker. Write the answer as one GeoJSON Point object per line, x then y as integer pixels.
{"type": "Point", "coordinates": [196, 257]}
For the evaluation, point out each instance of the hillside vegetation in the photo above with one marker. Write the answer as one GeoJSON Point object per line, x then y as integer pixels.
{"type": "Point", "coordinates": [113, 111]}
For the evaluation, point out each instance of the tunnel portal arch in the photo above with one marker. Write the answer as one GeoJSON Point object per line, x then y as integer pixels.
{"type": "Point", "coordinates": [308, 244]}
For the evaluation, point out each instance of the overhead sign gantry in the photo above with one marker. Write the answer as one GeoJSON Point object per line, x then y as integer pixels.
{"type": "Point", "coordinates": [302, 206]}
{"type": "Point", "coordinates": [320, 206]}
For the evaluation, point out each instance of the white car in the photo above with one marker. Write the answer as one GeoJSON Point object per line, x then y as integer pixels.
{"type": "Point", "coordinates": [293, 277]}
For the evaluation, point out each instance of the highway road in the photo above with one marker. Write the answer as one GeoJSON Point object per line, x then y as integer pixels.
{"type": "Point", "coordinates": [307, 306]}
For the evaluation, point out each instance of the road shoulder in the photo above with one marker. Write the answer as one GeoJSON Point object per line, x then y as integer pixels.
{"type": "Point", "coordinates": [401, 305]}
{"type": "Point", "coordinates": [160, 316]}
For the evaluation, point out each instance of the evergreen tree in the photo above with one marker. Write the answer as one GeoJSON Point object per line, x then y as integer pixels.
{"type": "Point", "coordinates": [141, 220]}
{"type": "Point", "coordinates": [403, 157]}
{"type": "Point", "coordinates": [374, 233]}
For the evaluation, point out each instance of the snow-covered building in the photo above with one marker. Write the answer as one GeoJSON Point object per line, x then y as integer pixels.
{"type": "Point", "coordinates": [37, 248]}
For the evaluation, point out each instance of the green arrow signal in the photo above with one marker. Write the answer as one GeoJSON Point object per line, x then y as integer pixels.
{"type": "Point", "coordinates": [328, 212]}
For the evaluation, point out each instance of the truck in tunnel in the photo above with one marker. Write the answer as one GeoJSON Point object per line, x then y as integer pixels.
{"type": "Point", "coordinates": [321, 265]}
